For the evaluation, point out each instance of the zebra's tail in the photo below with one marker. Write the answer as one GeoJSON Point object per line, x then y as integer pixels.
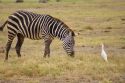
{"type": "Point", "coordinates": [1, 27]}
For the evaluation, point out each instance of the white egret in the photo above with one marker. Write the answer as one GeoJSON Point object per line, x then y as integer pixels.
{"type": "Point", "coordinates": [103, 53]}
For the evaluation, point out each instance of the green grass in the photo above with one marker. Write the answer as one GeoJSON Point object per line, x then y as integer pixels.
{"type": "Point", "coordinates": [96, 21]}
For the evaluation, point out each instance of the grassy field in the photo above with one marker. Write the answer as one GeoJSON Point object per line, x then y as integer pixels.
{"type": "Point", "coordinates": [95, 21]}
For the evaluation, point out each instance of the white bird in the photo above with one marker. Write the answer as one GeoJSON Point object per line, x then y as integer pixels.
{"type": "Point", "coordinates": [103, 53]}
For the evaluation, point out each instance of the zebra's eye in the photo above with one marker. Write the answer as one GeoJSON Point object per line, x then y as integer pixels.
{"type": "Point", "coordinates": [70, 43]}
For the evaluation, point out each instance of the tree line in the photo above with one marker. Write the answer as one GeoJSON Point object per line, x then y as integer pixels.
{"type": "Point", "coordinates": [40, 1]}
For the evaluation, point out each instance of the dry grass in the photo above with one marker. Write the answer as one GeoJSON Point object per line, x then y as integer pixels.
{"type": "Point", "coordinates": [96, 21]}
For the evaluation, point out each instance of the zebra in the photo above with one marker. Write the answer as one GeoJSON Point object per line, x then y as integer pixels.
{"type": "Point", "coordinates": [24, 24]}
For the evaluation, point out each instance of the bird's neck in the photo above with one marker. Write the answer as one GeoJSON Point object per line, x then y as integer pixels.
{"type": "Point", "coordinates": [102, 46]}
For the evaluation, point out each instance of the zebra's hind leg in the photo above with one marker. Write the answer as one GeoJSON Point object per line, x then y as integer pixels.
{"type": "Point", "coordinates": [8, 45]}
{"type": "Point", "coordinates": [20, 40]}
{"type": "Point", "coordinates": [47, 47]}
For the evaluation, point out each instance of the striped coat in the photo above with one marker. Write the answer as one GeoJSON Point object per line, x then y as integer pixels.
{"type": "Point", "coordinates": [34, 26]}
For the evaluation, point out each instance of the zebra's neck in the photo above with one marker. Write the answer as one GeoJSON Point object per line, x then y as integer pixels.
{"type": "Point", "coordinates": [59, 29]}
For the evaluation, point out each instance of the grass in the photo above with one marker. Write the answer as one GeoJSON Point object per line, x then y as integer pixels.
{"type": "Point", "coordinates": [89, 65]}
{"type": "Point", "coordinates": [96, 21]}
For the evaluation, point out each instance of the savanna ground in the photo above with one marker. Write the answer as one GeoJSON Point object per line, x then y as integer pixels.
{"type": "Point", "coordinates": [95, 21]}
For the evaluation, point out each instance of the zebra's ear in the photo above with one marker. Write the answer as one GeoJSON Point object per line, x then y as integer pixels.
{"type": "Point", "coordinates": [77, 34]}
{"type": "Point", "coordinates": [71, 33]}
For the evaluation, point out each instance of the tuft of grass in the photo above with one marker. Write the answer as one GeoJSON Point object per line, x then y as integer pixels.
{"type": "Point", "coordinates": [109, 28]}
{"type": "Point", "coordinates": [88, 28]}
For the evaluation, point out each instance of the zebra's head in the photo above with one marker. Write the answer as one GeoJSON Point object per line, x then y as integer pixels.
{"type": "Point", "coordinates": [68, 44]}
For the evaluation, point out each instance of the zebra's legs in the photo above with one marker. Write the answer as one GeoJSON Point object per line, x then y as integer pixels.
{"type": "Point", "coordinates": [8, 45]}
{"type": "Point", "coordinates": [47, 47]}
{"type": "Point", "coordinates": [20, 40]}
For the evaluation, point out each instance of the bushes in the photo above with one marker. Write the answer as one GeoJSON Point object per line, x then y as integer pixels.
{"type": "Point", "coordinates": [19, 1]}
{"type": "Point", "coordinates": [43, 1]}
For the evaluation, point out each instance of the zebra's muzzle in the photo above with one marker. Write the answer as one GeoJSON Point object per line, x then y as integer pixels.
{"type": "Point", "coordinates": [72, 54]}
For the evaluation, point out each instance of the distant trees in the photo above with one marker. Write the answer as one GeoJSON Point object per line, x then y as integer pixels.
{"type": "Point", "coordinates": [40, 1]}
{"type": "Point", "coordinates": [45, 1]}
{"type": "Point", "coordinates": [19, 1]}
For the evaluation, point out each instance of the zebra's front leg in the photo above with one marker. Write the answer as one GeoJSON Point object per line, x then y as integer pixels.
{"type": "Point", "coordinates": [47, 47]}
{"type": "Point", "coordinates": [20, 40]}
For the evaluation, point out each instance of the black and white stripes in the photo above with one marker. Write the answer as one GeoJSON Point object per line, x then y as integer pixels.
{"type": "Point", "coordinates": [36, 26]}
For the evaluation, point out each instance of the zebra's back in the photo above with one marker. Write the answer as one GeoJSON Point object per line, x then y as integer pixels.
{"type": "Point", "coordinates": [28, 24]}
